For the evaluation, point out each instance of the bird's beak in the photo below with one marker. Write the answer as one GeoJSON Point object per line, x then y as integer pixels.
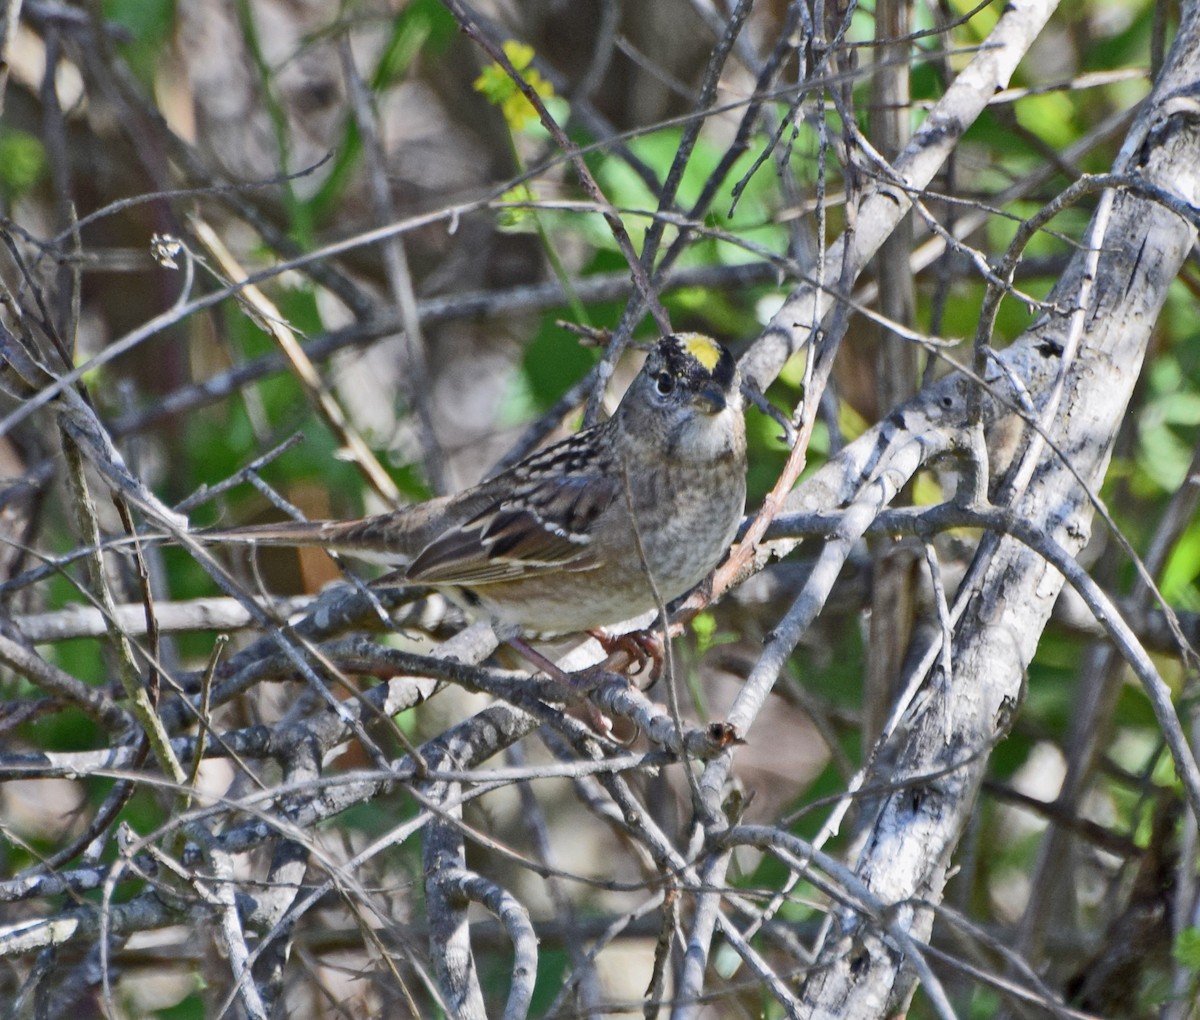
{"type": "Point", "coordinates": [711, 399]}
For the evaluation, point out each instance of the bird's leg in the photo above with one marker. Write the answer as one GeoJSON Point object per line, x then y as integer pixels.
{"type": "Point", "coordinates": [577, 684]}
{"type": "Point", "coordinates": [641, 646]}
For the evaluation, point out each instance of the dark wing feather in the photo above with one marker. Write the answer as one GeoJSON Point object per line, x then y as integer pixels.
{"type": "Point", "coordinates": [542, 526]}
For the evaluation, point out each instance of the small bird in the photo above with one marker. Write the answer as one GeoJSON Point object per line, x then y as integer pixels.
{"type": "Point", "coordinates": [572, 537]}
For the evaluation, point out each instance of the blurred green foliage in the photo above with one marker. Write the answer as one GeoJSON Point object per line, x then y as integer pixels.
{"type": "Point", "coordinates": [22, 162]}
{"type": "Point", "coordinates": [150, 24]}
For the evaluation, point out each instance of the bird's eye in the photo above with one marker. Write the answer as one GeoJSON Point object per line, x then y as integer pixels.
{"type": "Point", "coordinates": [664, 382]}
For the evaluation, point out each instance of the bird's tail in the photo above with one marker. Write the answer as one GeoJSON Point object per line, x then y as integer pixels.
{"type": "Point", "coordinates": [358, 538]}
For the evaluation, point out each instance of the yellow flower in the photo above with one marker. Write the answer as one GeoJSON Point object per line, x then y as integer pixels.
{"type": "Point", "coordinates": [499, 89]}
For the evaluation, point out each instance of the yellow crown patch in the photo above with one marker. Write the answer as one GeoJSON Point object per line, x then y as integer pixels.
{"type": "Point", "coordinates": [702, 348]}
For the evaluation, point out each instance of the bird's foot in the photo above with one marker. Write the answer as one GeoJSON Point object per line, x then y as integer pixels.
{"type": "Point", "coordinates": [642, 646]}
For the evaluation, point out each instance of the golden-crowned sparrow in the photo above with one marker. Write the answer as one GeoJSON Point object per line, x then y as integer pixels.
{"type": "Point", "coordinates": [562, 541]}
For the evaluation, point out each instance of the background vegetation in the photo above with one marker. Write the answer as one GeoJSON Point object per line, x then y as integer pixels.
{"type": "Point", "coordinates": [437, 284]}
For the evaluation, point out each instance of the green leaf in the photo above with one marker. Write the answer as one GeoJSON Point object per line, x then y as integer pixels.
{"type": "Point", "coordinates": [1050, 116]}
{"type": "Point", "coordinates": [150, 23]}
{"type": "Point", "coordinates": [1183, 567]}
{"type": "Point", "coordinates": [518, 218]}
{"type": "Point", "coordinates": [422, 27]}
{"type": "Point", "coordinates": [1187, 949]}
{"type": "Point", "coordinates": [22, 162]}
{"type": "Point", "coordinates": [704, 626]}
